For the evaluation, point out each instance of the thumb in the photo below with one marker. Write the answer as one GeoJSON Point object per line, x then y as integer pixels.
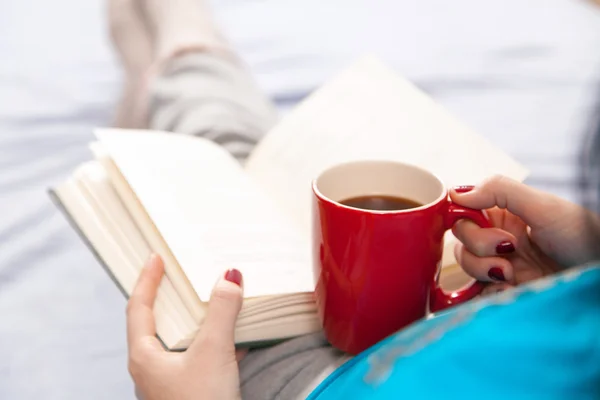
{"type": "Point", "coordinates": [223, 308]}
{"type": "Point", "coordinates": [534, 207]}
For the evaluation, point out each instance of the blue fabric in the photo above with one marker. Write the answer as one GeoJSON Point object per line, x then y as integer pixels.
{"type": "Point", "coordinates": [539, 341]}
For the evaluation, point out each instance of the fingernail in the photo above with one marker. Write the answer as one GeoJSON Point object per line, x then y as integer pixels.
{"type": "Point", "coordinates": [496, 274]}
{"type": "Point", "coordinates": [505, 248]}
{"type": "Point", "coordinates": [151, 260]}
{"type": "Point", "coordinates": [235, 276]}
{"type": "Point", "coordinates": [463, 189]}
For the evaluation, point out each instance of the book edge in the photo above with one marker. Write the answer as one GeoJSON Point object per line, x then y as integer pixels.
{"type": "Point", "coordinates": [58, 203]}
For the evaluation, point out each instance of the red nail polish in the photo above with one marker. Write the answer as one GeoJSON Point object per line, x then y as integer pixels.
{"type": "Point", "coordinates": [235, 276]}
{"type": "Point", "coordinates": [463, 189]}
{"type": "Point", "coordinates": [496, 274]}
{"type": "Point", "coordinates": [505, 248]}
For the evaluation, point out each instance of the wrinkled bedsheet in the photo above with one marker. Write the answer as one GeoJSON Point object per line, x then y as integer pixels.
{"type": "Point", "coordinates": [524, 75]}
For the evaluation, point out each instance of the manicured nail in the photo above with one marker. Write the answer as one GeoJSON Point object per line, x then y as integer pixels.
{"type": "Point", "coordinates": [463, 189]}
{"type": "Point", "coordinates": [505, 248]}
{"type": "Point", "coordinates": [496, 274]}
{"type": "Point", "coordinates": [235, 276]}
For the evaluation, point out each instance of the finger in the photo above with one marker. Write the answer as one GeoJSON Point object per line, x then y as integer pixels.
{"type": "Point", "coordinates": [484, 242]}
{"type": "Point", "coordinates": [485, 269]}
{"type": "Point", "coordinates": [534, 207]}
{"type": "Point", "coordinates": [223, 309]}
{"type": "Point", "coordinates": [140, 317]}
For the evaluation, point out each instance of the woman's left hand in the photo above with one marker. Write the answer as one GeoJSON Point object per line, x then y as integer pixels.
{"type": "Point", "coordinates": [534, 233]}
{"type": "Point", "coordinates": [208, 369]}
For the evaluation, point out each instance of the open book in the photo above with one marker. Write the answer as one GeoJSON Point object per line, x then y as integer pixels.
{"type": "Point", "coordinates": [190, 201]}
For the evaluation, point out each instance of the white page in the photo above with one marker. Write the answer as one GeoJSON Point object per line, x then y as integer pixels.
{"type": "Point", "coordinates": [210, 213]}
{"type": "Point", "coordinates": [368, 112]}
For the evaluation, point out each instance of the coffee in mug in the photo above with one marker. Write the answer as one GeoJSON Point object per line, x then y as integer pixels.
{"type": "Point", "coordinates": [380, 202]}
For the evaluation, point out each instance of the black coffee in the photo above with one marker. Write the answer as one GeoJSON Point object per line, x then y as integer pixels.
{"type": "Point", "coordinates": [381, 203]}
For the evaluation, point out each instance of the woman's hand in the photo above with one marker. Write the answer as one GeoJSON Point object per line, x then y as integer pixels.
{"type": "Point", "coordinates": [534, 233]}
{"type": "Point", "coordinates": [208, 369]}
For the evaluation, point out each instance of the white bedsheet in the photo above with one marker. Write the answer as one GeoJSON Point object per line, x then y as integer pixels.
{"type": "Point", "coordinates": [522, 73]}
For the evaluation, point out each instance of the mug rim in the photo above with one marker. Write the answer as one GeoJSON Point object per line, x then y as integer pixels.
{"type": "Point", "coordinates": [335, 203]}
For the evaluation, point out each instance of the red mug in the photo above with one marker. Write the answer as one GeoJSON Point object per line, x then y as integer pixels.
{"type": "Point", "coordinates": [378, 271]}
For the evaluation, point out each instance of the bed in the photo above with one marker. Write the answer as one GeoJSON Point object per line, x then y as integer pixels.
{"type": "Point", "coordinates": [524, 75]}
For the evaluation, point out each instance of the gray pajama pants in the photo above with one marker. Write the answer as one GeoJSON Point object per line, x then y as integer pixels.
{"type": "Point", "coordinates": [205, 95]}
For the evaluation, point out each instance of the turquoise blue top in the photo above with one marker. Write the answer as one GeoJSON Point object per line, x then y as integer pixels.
{"type": "Point", "coordinates": [538, 341]}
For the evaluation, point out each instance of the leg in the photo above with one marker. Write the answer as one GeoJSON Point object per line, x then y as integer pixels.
{"type": "Point", "coordinates": [213, 97]}
{"type": "Point", "coordinates": [290, 370]}
{"type": "Point", "coordinates": [131, 40]}
{"type": "Point", "coordinates": [194, 83]}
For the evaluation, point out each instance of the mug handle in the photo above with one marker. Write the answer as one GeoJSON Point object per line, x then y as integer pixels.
{"type": "Point", "coordinates": [440, 299]}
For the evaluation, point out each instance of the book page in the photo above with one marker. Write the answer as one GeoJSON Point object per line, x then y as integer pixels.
{"type": "Point", "coordinates": [368, 112]}
{"type": "Point", "coordinates": [209, 212]}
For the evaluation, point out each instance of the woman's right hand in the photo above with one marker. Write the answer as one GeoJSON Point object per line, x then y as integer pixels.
{"type": "Point", "coordinates": [534, 233]}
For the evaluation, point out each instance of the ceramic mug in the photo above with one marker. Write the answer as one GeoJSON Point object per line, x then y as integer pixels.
{"type": "Point", "coordinates": [378, 271]}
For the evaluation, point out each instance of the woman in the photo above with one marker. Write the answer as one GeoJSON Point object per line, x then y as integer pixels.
{"type": "Point", "coordinates": [540, 340]}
